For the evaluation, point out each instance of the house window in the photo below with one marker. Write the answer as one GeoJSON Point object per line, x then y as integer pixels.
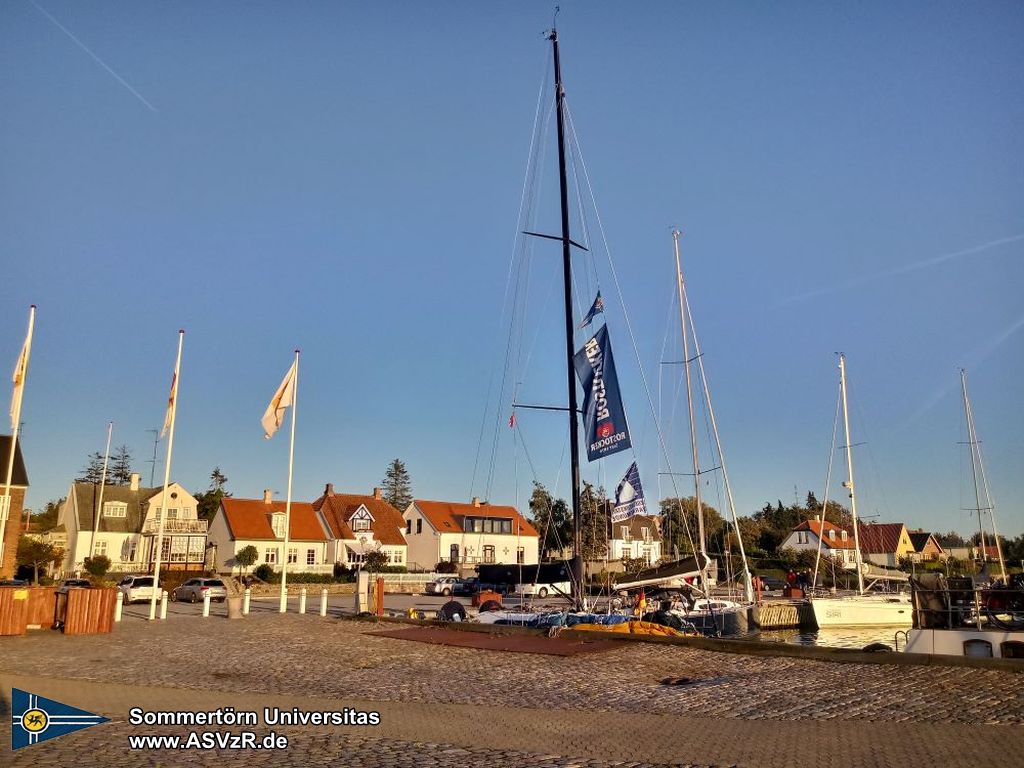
{"type": "Point", "coordinates": [408, 526]}
{"type": "Point", "coordinates": [354, 558]}
{"type": "Point", "coordinates": [506, 526]}
{"type": "Point", "coordinates": [115, 509]}
{"type": "Point", "coordinates": [398, 557]}
{"type": "Point", "coordinates": [270, 555]}
{"type": "Point", "coordinates": [293, 555]}
{"type": "Point", "coordinates": [520, 555]}
{"type": "Point", "coordinates": [832, 535]}
{"type": "Point", "coordinates": [454, 553]}
{"type": "Point", "coordinates": [132, 551]}
{"type": "Point", "coordinates": [277, 523]}
{"type": "Point", "coordinates": [625, 532]}
{"type": "Point", "coordinates": [488, 553]}
{"type": "Point", "coordinates": [419, 525]}
{"type": "Point", "coordinates": [360, 524]}
{"type": "Point", "coordinates": [100, 548]}
{"type": "Point", "coordinates": [842, 535]}
{"type": "Point", "coordinates": [646, 533]}
{"type": "Point", "coordinates": [172, 513]}
{"type": "Point", "coordinates": [310, 557]}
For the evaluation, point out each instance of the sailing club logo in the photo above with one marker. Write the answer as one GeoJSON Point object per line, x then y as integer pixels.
{"type": "Point", "coordinates": [36, 718]}
{"type": "Point", "coordinates": [606, 430]}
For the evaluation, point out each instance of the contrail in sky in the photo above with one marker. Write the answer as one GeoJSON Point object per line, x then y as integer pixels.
{"type": "Point", "coordinates": [905, 269]}
{"type": "Point", "coordinates": [95, 58]}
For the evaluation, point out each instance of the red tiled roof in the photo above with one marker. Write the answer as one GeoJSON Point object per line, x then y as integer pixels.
{"type": "Point", "coordinates": [337, 508]}
{"type": "Point", "coordinates": [250, 519]}
{"type": "Point", "coordinates": [879, 538]}
{"type": "Point", "coordinates": [816, 528]}
{"type": "Point", "coordinates": [449, 516]}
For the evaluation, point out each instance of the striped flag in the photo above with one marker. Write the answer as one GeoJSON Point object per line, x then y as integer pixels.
{"type": "Point", "coordinates": [279, 403]}
{"type": "Point", "coordinates": [169, 417]}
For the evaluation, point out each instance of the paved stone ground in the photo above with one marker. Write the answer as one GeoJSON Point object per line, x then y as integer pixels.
{"type": "Point", "coordinates": [454, 706]}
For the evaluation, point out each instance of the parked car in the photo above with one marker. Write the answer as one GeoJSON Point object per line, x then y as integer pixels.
{"type": "Point", "coordinates": [137, 588]}
{"type": "Point", "coordinates": [772, 584]}
{"type": "Point", "coordinates": [445, 585]}
{"type": "Point", "coordinates": [534, 589]}
{"type": "Point", "coordinates": [193, 590]}
{"type": "Point", "coordinates": [68, 584]}
{"type": "Point", "coordinates": [14, 583]}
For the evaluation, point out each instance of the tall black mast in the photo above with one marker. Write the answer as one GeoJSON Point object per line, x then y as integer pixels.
{"type": "Point", "coordinates": [574, 438]}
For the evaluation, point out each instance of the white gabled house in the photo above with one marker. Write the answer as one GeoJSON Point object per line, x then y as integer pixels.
{"type": "Point", "coordinates": [638, 538]}
{"type": "Point", "coordinates": [239, 523]}
{"type": "Point", "coordinates": [467, 534]}
{"type": "Point", "coordinates": [836, 542]}
{"type": "Point", "coordinates": [125, 527]}
{"type": "Point", "coordinates": [359, 524]}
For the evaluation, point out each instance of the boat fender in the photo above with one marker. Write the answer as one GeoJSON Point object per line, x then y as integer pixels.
{"type": "Point", "coordinates": [876, 648]}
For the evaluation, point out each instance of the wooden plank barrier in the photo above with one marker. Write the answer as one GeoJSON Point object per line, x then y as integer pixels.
{"type": "Point", "coordinates": [13, 610]}
{"type": "Point", "coordinates": [90, 611]}
{"type": "Point", "coordinates": [41, 603]}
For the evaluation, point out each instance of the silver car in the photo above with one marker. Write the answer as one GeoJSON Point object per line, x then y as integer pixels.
{"type": "Point", "coordinates": [193, 590]}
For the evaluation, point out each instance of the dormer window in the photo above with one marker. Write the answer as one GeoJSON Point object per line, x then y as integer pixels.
{"type": "Point", "coordinates": [832, 534]}
{"type": "Point", "coordinates": [843, 536]}
{"type": "Point", "coordinates": [277, 523]}
{"type": "Point", "coordinates": [360, 524]}
{"type": "Point", "coordinates": [625, 532]}
{"type": "Point", "coordinates": [115, 509]}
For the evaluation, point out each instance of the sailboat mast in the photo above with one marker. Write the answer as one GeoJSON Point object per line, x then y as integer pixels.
{"type": "Point", "coordinates": [972, 441]}
{"type": "Point", "coordinates": [849, 476]}
{"type": "Point", "coordinates": [574, 439]}
{"type": "Point", "coordinates": [689, 401]}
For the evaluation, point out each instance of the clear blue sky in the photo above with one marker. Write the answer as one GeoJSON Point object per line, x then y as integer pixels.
{"type": "Point", "coordinates": [345, 178]}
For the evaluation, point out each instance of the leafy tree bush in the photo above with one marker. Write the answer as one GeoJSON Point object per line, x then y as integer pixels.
{"type": "Point", "coordinates": [446, 566]}
{"type": "Point", "coordinates": [35, 553]}
{"type": "Point", "coordinates": [375, 562]}
{"type": "Point", "coordinates": [264, 572]}
{"type": "Point", "coordinates": [246, 556]}
{"type": "Point", "coordinates": [97, 566]}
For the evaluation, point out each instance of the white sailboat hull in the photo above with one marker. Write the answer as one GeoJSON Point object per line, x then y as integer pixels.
{"type": "Point", "coordinates": [863, 611]}
{"type": "Point", "coordinates": [967, 641]}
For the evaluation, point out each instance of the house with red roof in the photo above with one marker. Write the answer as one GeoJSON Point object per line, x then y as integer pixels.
{"type": "Point", "coordinates": [240, 523]}
{"type": "Point", "coordinates": [926, 546]}
{"type": "Point", "coordinates": [884, 543]}
{"type": "Point", "coordinates": [467, 534]}
{"type": "Point", "coordinates": [359, 524]}
{"type": "Point", "coordinates": [836, 542]}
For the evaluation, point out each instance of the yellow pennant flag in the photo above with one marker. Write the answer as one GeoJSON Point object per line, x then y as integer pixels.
{"type": "Point", "coordinates": [281, 401]}
{"type": "Point", "coordinates": [169, 417]}
{"type": "Point", "coordinates": [20, 371]}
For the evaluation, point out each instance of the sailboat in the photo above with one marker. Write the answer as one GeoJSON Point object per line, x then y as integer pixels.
{"type": "Point", "coordinates": [965, 616]}
{"type": "Point", "coordinates": [864, 609]}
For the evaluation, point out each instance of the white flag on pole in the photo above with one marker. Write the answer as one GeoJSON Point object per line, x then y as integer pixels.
{"type": "Point", "coordinates": [169, 416]}
{"type": "Point", "coordinates": [20, 371]}
{"type": "Point", "coordinates": [282, 400]}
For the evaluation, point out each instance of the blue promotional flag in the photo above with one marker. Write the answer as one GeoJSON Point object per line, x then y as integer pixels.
{"type": "Point", "coordinates": [36, 718]}
{"type": "Point", "coordinates": [603, 416]}
{"type": "Point", "coordinates": [629, 496]}
{"type": "Point", "coordinates": [596, 308]}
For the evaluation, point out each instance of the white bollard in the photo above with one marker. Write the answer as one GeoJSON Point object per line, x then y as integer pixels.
{"type": "Point", "coordinates": [206, 604]}
{"type": "Point", "coordinates": [245, 601]}
{"type": "Point", "coordinates": [323, 602]}
{"type": "Point", "coordinates": [118, 603]}
{"type": "Point", "coordinates": [163, 604]}
{"type": "Point", "coordinates": [302, 600]}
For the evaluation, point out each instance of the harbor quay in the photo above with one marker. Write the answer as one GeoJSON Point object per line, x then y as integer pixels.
{"type": "Point", "coordinates": [337, 692]}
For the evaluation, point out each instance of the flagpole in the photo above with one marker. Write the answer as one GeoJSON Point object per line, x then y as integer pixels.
{"type": "Point", "coordinates": [19, 390]}
{"type": "Point", "coordinates": [103, 484]}
{"type": "Point", "coordinates": [175, 382]}
{"type": "Point", "coordinates": [288, 501]}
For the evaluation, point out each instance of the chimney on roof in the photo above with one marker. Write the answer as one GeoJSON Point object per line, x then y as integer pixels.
{"type": "Point", "coordinates": [133, 483]}
{"type": "Point", "coordinates": [378, 493]}
{"type": "Point", "coordinates": [476, 501]}
{"type": "Point", "coordinates": [268, 496]}
{"type": "Point", "coordinates": [329, 489]}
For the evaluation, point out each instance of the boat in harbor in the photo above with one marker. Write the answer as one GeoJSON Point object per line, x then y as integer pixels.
{"type": "Point", "coordinates": [866, 607]}
{"type": "Point", "coordinates": [970, 616]}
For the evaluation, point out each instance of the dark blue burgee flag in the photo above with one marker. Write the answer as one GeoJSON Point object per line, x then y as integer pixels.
{"type": "Point", "coordinates": [603, 416]}
{"type": "Point", "coordinates": [596, 308]}
{"type": "Point", "coordinates": [629, 496]}
{"type": "Point", "coordinates": [36, 718]}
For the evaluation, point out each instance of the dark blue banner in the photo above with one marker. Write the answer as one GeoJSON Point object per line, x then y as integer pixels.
{"type": "Point", "coordinates": [604, 420]}
{"type": "Point", "coordinates": [629, 496]}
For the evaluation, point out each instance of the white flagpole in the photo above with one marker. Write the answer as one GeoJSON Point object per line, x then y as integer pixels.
{"type": "Point", "coordinates": [103, 484]}
{"type": "Point", "coordinates": [176, 384]}
{"type": "Point", "coordinates": [15, 428]}
{"type": "Point", "coordinates": [288, 502]}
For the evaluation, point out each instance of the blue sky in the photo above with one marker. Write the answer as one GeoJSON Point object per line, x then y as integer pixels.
{"type": "Point", "coordinates": [345, 178]}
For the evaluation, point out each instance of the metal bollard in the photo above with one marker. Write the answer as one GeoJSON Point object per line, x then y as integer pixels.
{"type": "Point", "coordinates": [163, 604]}
{"type": "Point", "coordinates": [245, 601]}
{"type": "Point", "coordinates": [118, 603]}
{"type": "Point", "coordinates": [206, 604]}
{"type": "Point", "coordinates": [323, 602]}
{"type": "Point", "coordinates": [302, 600]}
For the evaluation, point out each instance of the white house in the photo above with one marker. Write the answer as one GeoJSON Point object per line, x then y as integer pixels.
{"type": "Point", "coordinates": [126, 526]}
{"type": "Point", "coordinates": [637, 537]}
{"type": "Point", "coordinates": [467, 534]}
{"type": "Point", "coordinates": [836, 542]}
{"type": "Point", "coordinates": [360, 524]}
{"type": "Point", "coordinates": [240, 523]}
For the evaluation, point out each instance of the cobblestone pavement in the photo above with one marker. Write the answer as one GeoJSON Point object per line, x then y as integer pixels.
{"type": "Point", "coordinates": [443, 706]}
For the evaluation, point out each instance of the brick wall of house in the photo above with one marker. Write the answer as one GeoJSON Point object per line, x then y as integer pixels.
{"type": "Point", "coordinates": [12, 532]}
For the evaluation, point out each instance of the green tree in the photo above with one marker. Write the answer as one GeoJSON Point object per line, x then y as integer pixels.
{"type": "Point", "coordinates": [397, 486]}
{"type": "Point", "coordinates": [47, 519]}
{"type": "Point", "coordinates": [678, 515]}
{"type": "Point", "coordinates": [35, 553]}
{"type": "Point", "coordinates": [551, 518]}
{"type": "Point", "coordinates": [97, 566]}
{"type": "Point", "coordinates": [595, 518]}
{"type": "Point", "coordinates": [375, 562]}
{"type": "Point", "coordinates": [208, 502]}
{"type": "Point", "coordinates": [119, 471]}
{"type": "Point", "coordinates": [93, 470]}
{"type": "Point", "coordinates": [246, 556]}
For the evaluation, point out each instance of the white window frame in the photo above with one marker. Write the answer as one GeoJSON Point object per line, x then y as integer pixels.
{"type": "Point", "coordinates": [270, 555]}
{"type": "Point", "coordinates": [310, 557]}
{"type": "Point", "coordinates": [277, 524]}
{"type": "Point", "coordinates": [115, 509]}
{"type": "Point", "coordinates": [293, 555]}
{"type": "Point", "coordinates": [100, 548]}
